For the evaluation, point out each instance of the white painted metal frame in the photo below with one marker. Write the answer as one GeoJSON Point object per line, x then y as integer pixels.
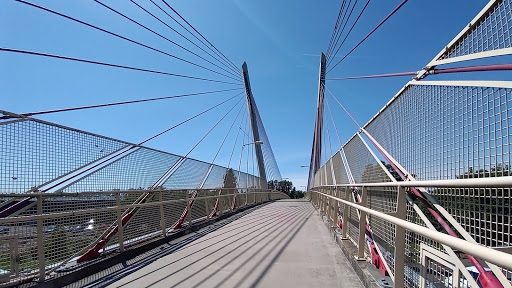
{"type": "Point", "coordinates": [488, 254]}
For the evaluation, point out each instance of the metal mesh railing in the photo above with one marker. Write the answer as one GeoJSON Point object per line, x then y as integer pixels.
{"type": "Point", "coordinates": [492, 32]}
{"type": "Point", "coordinates": [93, 183]}
{"type": "Point", "coordinates": [424, 258]}
{"type": "Point", "coordinates": [33, 152]}
{"type": "Point", "coordinates": [440, 130]}
{"type": "Point", "coordinates": [339, 168]}
{"type": "Point", "coordinates": [65, 226]}
{"type": "Point", "coordinates": [138, 170]}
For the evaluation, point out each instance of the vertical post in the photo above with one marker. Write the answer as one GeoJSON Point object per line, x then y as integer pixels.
{"type": "Point", "coordinates": [221, 204]}
{"type": "Point", "coordinates": [401, 212]}
{"type": "Point", "coordinates": [316, 149]}
{"type": "Point", "coordinates": [346, 212]}
{"type": "Point", "coordinates": [189, 208]}
{"type": "Point", "coordinates": [362, 225]}
{"type": "Point", "coordinates": [322, 204]}
{"type": "Point", "coordinates": [330, 206]}
{"type": "Point", "coordinates": [207, 207]}
{"type": "Point", "coordinates": [251, 106]}
{"type": "Point", "coordinates": [162, 214]}
{"type": "Point", "coordinates": [336, 207]}
{"type": "Point", "coordinates": [119, 223]}
{"type": "Point", "coordinates": [40, 239]}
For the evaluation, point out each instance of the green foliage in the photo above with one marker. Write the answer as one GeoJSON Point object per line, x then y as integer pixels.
{"type": "Point", "coordinates": [392, 171]}
{"type": "Point", "coordinates": [496, 171]}
{"type": "Point", "coordinates": [229, 179]}
{"type": "Point", "coordinates": [296, 194]}
{"type": "Point", "coordinates": [285, 186]}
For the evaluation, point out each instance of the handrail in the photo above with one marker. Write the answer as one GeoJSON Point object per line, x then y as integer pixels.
{"type": "Point", "coordinates": [488, 254]}
{"type": "Point", "coordinates": [489, 182]}
{"type": "Point", "coordinates": [20, 219]}
{"type": "Point", "coordinates": [50, 258]}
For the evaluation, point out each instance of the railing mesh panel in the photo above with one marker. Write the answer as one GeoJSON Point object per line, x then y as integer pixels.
{"type": "Point", "coordinates": [35, 152]}
{"type": "Point", "coordinates": [188, 175]}
{"type": "Point", "coordinates": [216, 178]}
{"type": "Point", "coordinates": [328, 172]}
{"type": "Point", "coordinates": [340, 172]}
{"type": "Point", "coordinates": [363, 166]}
{"type": "Point", "coordinates": [491, 33]}
{"type": "Point", "coordinates": [448, 132]}
{"type": "Point", "coordinates": [271, 167]}
{"type": "Point", "coordinates": [138, 170]}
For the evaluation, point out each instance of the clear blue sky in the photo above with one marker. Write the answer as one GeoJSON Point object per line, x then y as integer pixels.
{"type": "Point", "coordinates": [280, 41]}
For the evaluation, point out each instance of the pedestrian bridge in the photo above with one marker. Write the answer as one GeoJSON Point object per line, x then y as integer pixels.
{"type": "Point", "coordinates": [278, 244]}
{"type": "Point", "coordinates": [419, 196]}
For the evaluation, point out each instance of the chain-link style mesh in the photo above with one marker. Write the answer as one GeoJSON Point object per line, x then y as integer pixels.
{"type": "Point", "coordinates": [138, 170]}
{"type": "Point", "coordinates": [492, 32]}
{"type": "Point", "coordinates": [340, 172]}
{"type": "Point", "coordinates": [271, 168]}
{"type": "Point", "coordinates": [462, 132]}
{"type": "Point", "coordinates": [188, 175]}
{"type": "Point", "coordinates": [317, 179]}
{"type": "Point", "coordinates": [215, 178]}
{"type": "Point", "coordinates": [363, 165]}
{"type": "Point", "coordinates": [328, 172]}
{"type": "Point", "coordinates": [448, 132]}
{"type": "Point", "coordinates": [33, 152]}
{"type": "Point", "coordinates": [439, 275]}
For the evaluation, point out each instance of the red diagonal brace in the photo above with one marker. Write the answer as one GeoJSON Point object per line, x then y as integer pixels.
{"type": "Point", "coordinates": [94, 252]}
{"type": "Point", "coordinates": [179, 223]}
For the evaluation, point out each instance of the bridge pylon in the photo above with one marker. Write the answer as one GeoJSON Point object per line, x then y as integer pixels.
{"type": "Point", "coordinates": [316, 150]}
{"type": "Point", "coordinates": [251, 106]}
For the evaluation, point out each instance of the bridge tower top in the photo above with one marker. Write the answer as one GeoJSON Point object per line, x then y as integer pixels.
{"type": "Point", "coordinates": [251, 106]}
{"type": "Point", "coordinates": [316, 150]}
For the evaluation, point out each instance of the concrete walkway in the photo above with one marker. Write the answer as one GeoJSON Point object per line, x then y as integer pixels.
{"type": "Point", "coordinates": [283, 244]}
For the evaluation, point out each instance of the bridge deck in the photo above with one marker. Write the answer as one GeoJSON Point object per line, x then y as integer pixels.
{"type": "Point", "coordinates": [283, 244]}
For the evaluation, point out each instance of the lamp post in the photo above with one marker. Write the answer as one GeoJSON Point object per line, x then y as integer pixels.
{"type": "Point", "coordinates": [239, 167]}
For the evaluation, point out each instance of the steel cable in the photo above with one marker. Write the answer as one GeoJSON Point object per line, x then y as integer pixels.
{"type": "Point", "coordinates": [119, 36]}
{"type": "Point", "coordinates": [371, 32]}
{"type": "Point", "coordinates": [111, 65]}
{"type": "Point", "coordinates": [177, 32]}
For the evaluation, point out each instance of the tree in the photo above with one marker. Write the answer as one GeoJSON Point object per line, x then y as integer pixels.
{"type": "Point", "coordinates": [273, 185]}
{"type": "Point", "coordinates": [296, 194]}
{"type": "Point", "coordinates": [229, 179]}
{"type": "Point", "coordinates": [285, 186]}
{"type": "Point", "coordinates": [392, 171]}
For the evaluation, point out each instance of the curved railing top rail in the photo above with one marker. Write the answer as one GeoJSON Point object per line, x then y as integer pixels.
{"type": "Point", "coordinates": [492, 182]}
{"type": "Point", "coordinates": [487, 254]}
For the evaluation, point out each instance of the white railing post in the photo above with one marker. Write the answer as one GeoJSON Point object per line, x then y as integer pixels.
{"type": "Point", "coordinates": [206, 206]}
{"type": "Point", "coordinates": [162, 214]}
{"type": "Point", "coordinates": [346, 212]}
{"type": "Point", "coordinates": [220, 207]}
{"type": "Point", "coordinates": [189, 208]}
{"type": "Point", "coordinates": [362, 225]}
{"type": "Point", "coordinates": [336, 208]}
{"type": "Point", "coordinates": [40, 239]}
{"type": "Point", "coordinates": [119, 217]}
{"type": "Point", "coordinates": [401, 212]}
{"type": "Point", "coordinates": [324, 202]}
{"type": "Point", "coordinates": [330, 205]}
